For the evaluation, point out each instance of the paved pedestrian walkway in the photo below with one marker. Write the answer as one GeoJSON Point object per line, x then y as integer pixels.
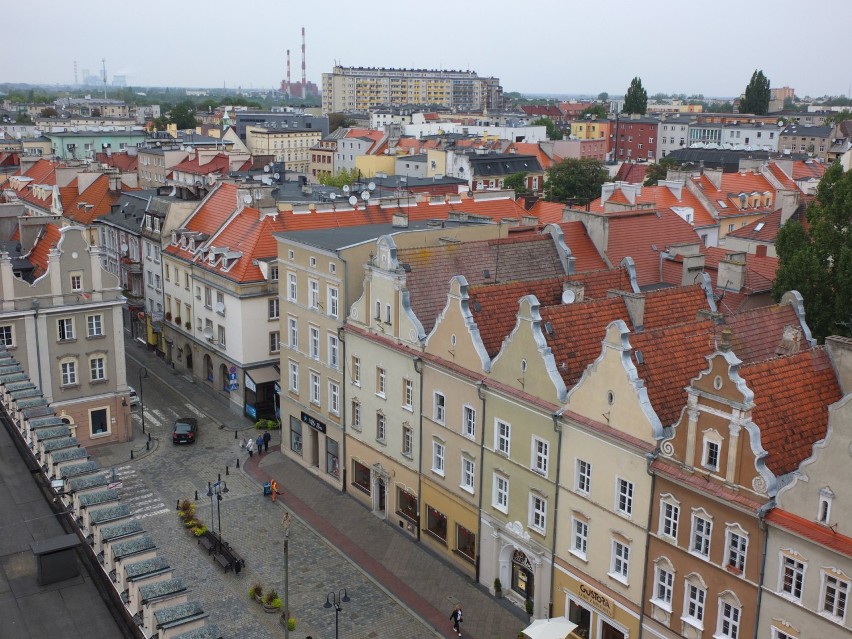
{"type": "Point", "coordinates": [405, 574]}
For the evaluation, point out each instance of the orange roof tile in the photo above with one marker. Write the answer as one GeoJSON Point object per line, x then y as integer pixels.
{"type": "Point", "coordinates": [764, 229]}
{"type": "Point", "coordinates": [38, 255]}
{"type": "Point", "coordinates": [779, 174]}
{"type": "Point", "coordinates": [822, 535]}
{"type": "Point", "coordinates": [98, 195]}
{"type": "Point", "coordinates": [661, 197]}
{"type": "Point", "coordinates": [756, 334]}
{"type": "Point", "coordinates": [668, 306]}
{"type": "Point", "coordinates": [547, 212]}
{"type": "Point", "coordinates": [804, 170]}
{"type": "Point", "coordinates": [791, 399]}
{"type": "Point", "coordinates": [632, 172]}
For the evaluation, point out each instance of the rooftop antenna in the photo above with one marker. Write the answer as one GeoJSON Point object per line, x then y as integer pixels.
{"type": "Point", "coordinates": [75, 73]}
{"type": "Point", "coordinates": [288, 74]}
{"type": "Point", "coordinates": [304, 77]}
{"type": "Point", "coordinates": [103, 64]}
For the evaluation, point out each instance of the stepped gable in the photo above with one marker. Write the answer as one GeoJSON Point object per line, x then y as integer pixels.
{"type": "Point", "coordinates": [634, 233]}
{"type": "Point", "coordinates": [791, 399]}
{"type": "Point", "coordinates": [668, 358]}
{"type": "Point", "coordinates": [495, 306]}
{"type": "Point", "coordinates": [49, 238]}
{"type": "Point", "coordinates": [757, 335]}
{"type": "Point", "coordinates": [577, 331]}
{"type": "Point", "coordinates": [522, 257]}
{"type": "Point", "coordinates": [668, 306]}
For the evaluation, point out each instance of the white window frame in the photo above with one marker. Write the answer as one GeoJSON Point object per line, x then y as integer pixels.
{"type": "Point", "coordinates": [468, 474]}
{"type": "Point", "coordinates": [381, 427]}
{"type": "Point", "coordinates": [7, 336]}
{"type": "Point", "coordinates": [663, 587]}
{"type": "Point", "coordinates": [712, 441]}
{"type": "Point", "coordinates": [68, 372]}
{"type": "Point", "coordinates": [736, 547]}
{"type": "Point", "coordinates": [315, 388]}
{"type": "Point", "coordinates": [796, 566]}
{"type": "Point", "coordinates": [582, 476]}
{"type": "Point", "coordinates": [669, 516]}
{"type": "Point", "coordinates": [273, 308]}
{"type": "Point", "coordinates": [65, 325]}
{"type": "Point", "coordinates": [313, 342]}
{"type": "Point", "coordinates": [356, 414]}
{"type": "Point", "coordinates": [292, 288]}
{"type": "Point", "coordinates": [696, 595]}
{"type": "Point", "coordinates": [408, 394]}
{"type": "Point", "coordinates": [333, 397]}
{"type": "Point", "coordinates": [407, 441]}
{"type": "Point", "coordinates": [502, 437]}
{"type": "Point", "coordinates": [439, 407]}
{"type": "Point", "coordinates": [313, 294]}
{"type": "Point", "coordinates": [701, 533]}
{"type": "Point", "coordinates": [840, 584]}
{"type": "Point", "coordinates": [333, 301]}
{"type": "Point", "coordinates": [101, 368]}
{"type": "Point", "coordinates": [381, 381]}
{"type": "Point", "coordinates": [624, 494]}
{"type": "Point", "coordinates": [579, 537]}
{"type": "Point", "coordinates": [728, 622]}
{"type": "Point", "coordinates": [274, 342]}
{"type": "Point", "coordinates": [95, 325]}
{"type": "Point", "coordinates": [538, 513]}
{"type": "Point", "coordinates": [293, 332]}
{"type": "Point", "coordinates": [294, 377]}
{"type": "Point", "coordinates": [500, 494]}
{"type": "Point", "coordinates": [333, 351]}
{"type": "Point", "coordinates": [356, 370]}
{"type": "Point", "coordinates": [540, 452]}
{"type": "Point", "coordinates": [469, 421]}
{"type": "Point", "coordinates": [438, 454]}
{"type": "Point", "coordinates": [619, 567]}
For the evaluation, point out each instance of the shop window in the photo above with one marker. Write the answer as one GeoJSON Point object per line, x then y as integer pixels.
{"type": "Point", "coordinates": [582, 617]}
{"type": "Point", "coordinates": [295, 435]}
{"type": "Point", "coordinates": [436, 523]}
{"type": "Point", "coordinates": [361, 476]}
{"type": "Point", "coordinates": [406, 505]}
{"type": "Point", "coordinates": [99, 420]}
{"type": "Point", "coordinates": [465, 543]}
{"type": "Point", "coordinates": [332, 461]}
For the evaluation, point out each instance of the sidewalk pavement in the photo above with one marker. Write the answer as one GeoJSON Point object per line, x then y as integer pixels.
{"type": "Point", "coordinates": [405, 570]}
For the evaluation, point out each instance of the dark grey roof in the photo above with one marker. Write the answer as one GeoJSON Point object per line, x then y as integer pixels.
{"type": "Point", "coordinates": [803, 130]}
{"type": "Point", "coordinates": [726, 159]}
{"type": "Point", "coordinates": [129, 212]}
{"type": "Point", "coordinates": [503, 164]}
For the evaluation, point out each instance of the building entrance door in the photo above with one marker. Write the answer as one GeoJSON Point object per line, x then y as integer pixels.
{"type": "Point", "coordinates": [314, 448]}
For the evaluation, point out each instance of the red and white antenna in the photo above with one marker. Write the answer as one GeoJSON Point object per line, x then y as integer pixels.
{"type": "Point", "coordinates": [304, 76]}
{"type": "Point", "coordinates": [288, 73]}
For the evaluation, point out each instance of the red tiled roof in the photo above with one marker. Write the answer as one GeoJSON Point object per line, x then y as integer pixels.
{"type": "Point", "coordinates": [125, 162]}
{"type": "Point", "coordinates": [699, 484]}
{"type": "Point", "coordinates": [211, 216]}
{"type": "Point", "coordinates": [634, 233]}
{"type": "Point", "coordinates": [547, 212]}
{"type": "Point", "coordinates": [756, 334]}
{"type": "Point", "coordinates": [521, 257]}
{"type": "Point", "coordinates": [764, 229]}
{"type": "Point", "coordinates": [672, 357]}
{"type": "Point", "coordinates": [586, 256]}
{"type": "Point", "coordinates": [760, 269]}
{"type": "Point", "coordinates": [632, 172]}
{"type": "Point", "coordinates": [660, 197]}
{"type": "Point", "coordinates": [803, 170]}
{"type": "Point", "coordinates": [779, 174]}
{"type": "Point", "coordinates": [732, 184]}
{"type": "Point", "coordinates": [48, 239]}
{"type": "Point", "coordinates": [597, 283]}
{"type": "Point", "coordinates": [219, 163]}
{"type": "Point", "coordinates": [578, 331]}
{"type": "Point", "coordinates": [97, 194]}
{"type": "Point", "coordinates": [529, 148]}
{"type": "Point", "coordinates": [668, 306]}
{"type": "Point", "coordinates": [822, 535]}
{"type": "Point", "coordinates": [791, 399]}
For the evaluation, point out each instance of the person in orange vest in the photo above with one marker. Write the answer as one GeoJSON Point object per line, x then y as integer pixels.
{"type": "Point", "coordinates": [274, 488]}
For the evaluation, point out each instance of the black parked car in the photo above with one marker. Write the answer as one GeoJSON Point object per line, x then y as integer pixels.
{"type": "Point", "coordinates": [185, 431]}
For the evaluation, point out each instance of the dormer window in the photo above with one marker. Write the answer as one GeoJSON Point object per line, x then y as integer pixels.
{"type": "Point", "coordinates": [174, 238]}
{"type": "Point", "coordinates": [711, 453]}
{"type": "Point", "coordinates": [826, 496]}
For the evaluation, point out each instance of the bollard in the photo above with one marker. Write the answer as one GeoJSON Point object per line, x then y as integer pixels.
{"type": "Point", "coordinates": [196, 495]}
{"type": "Point", "coordinates": [238, 462]}
{"type": "Point", "coordinates": [148, 445]}
{"type": "Point", "coordinates": [235, 434]}
{"type": "Point", "coordinates": [131, 453]}
{"type": "Point", "coordinates": [227, 471]}
{"type": "Point", "coordinates": [149, 435]}
{"type": "Point", "coordinates": [178, 505]}
{"type": "Point", "coordinates": [220, 476]}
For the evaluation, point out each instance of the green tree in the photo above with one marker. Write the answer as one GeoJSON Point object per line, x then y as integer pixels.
{"type": "Point", "coordinates": [517, 182]}
{"type": "Point", "coordinates": [839, 117]}
{"type": "Point", "coordinates": [182, 115]}
{"type": "Point", "coordinates": [48, 112]}
{"type": "Point", "coordinates": [23, 118]}
{"type": "Point", "coordinates": [603, 96]}
{"type": "Point", "coordinates": [575, 179]}
{"type": "Point", "coordinates": [659, 170]}
{"type": "Point", "coordinates": [340, 179]}
{"type": "Point", "coordinates": [337, 121]}
{"type": "Point", "coordinates": [817, 261]}
{"type": "Point", "coordinates": [553, 132]}
{"type": "Point", "coordinates": [636, 98]}
{"type": "Point", "coordinates": [756, 97]}
{"type": "Point", "coordinates": [594, 111]}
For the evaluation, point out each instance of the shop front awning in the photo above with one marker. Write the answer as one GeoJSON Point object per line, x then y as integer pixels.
{"type": "Point", "coordinates": [557, 628]}
{"type": "Point", "coordinates": [263, 375]}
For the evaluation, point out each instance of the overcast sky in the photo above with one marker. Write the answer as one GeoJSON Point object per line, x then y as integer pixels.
{"type": "Point", "coordinates": [533, 46]}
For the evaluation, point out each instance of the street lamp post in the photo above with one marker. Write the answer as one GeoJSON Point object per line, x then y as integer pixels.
{"type": "Point", "coordinates": [217, 488]}
{"type": "Point", "coordinates": [334, 599]}
{"type": "Point", "coordinates": [143, 374]}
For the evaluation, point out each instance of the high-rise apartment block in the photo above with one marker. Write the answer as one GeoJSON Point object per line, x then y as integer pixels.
{"type": "Point", "coordinates": [363, 88]}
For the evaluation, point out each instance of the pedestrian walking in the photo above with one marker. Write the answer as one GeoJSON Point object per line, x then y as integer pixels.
{"type": "Point", "coordinates": [250, 446]}
{"type": "Point", "coordinates": [266, 438]}
{"type": "Point", "coordinates": [273, 487]}
{"type": "Point", "coordinates": [456, 616]}
{"type": "Point", "coordinates": [259, 444]}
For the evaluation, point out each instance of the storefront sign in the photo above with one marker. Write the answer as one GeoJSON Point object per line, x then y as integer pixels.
{"type": "Point", "coordinates": [596, 599]}
{"type": "Point", "coordinates": [313, 422]}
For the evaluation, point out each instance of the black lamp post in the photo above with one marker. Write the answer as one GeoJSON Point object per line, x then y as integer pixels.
{"type": "Point", "coordinates": [143, 374]}
{"type": "Point", "coordinates": [334, 599]}
{"type": "Point", "coordinates": [217, 488]}
{"type": "Point", "coordinates": [288, 521]}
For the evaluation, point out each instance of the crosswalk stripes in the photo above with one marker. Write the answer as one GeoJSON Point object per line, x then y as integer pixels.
{"type": "Point", "coordinates": [159, 417]}
{"type": "Point", "coordinates": [141, 501]}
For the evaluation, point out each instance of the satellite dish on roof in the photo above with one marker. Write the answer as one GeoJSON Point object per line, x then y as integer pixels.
{"type": "Point", "coordinates": [365, 195]}
{"type": "Point", "coordinates": [220, 307]}
{"type": "Point", "coordinates": [207, 333]}
{"type": "Point", "coordinates": [124, 248]}
{"type": "Point", "coordinates": [346, 188]}
{"type": "Point", "coordinates": [266, 168]}
{"type": "Point", "coordinates": [568, 296]}
{"type": "Point", "coordinates": [333, 196]}
{"type": "Point", "coordinates": [353, 200]}
{"type": "Point", "coordinates": [277, 176]}
{"type": "Point", "coordinates": [247, 198]}
{"type": "Point", "coordinates": [372, 186]}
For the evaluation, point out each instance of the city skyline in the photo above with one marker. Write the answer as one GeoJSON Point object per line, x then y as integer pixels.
{"type": "Point", "coordinates": [533, 53]}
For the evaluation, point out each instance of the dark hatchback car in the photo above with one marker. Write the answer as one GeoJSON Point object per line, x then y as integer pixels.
{"type": "Point", "coordinates": [185, 431]}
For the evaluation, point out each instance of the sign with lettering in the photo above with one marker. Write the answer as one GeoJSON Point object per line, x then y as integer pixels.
{"type": "Point", "coordinates": [596, 599]}
{"type": "Point", "coordinates": [313, 422]}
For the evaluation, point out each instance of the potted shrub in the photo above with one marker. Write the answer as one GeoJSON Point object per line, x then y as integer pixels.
{"type": "Point", "coordinates": [271, 601]}
{"type": "Point", "coordinates": [291, 624]}
{"type": "Point", "coordinates": [199, 529]}
{"type": "Point", "coordinates": [256, 592]}
{"type": "Point", "coordinates": [528, 604]}
{"type": "Point", "coordinates": [186, 509]}
{"type": "Point", "coordinates": [177, 320]}
{"type": "Point", "coordinates": [188, 325]}
{"type": "Point", "coordinates": [168, 316]}
{"type": "Point", "coordinates": [498, 589]}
